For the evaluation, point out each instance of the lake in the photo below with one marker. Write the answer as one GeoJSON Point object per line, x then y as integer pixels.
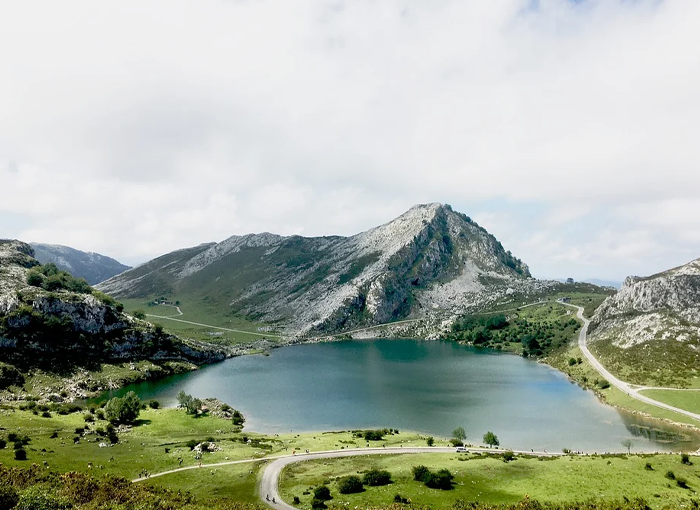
{"type": "Point", "coordinates": [424, 386]}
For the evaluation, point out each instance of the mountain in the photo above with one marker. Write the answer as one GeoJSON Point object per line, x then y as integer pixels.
{"type": "Point", "coordinates": [649, 331]}
{"type": "Point", "coordinates": [429, 259]}
{"type": "Point", "coordinates": [93, 267]}
{"type": "Point", "coordinates": [52, 321]}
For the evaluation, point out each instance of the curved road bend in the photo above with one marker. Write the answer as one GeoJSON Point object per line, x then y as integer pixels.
{"type": "Point", "coordinates": [632, 391]}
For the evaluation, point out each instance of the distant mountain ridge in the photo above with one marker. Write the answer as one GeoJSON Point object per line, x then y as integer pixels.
{"type": "Point", "coordinates": [429, 258]}
{"type": "Point", "coordinates": [94, 267]}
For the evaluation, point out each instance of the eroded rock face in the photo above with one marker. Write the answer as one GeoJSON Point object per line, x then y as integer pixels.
{"type": "Point", "coordinates": [665, 306]}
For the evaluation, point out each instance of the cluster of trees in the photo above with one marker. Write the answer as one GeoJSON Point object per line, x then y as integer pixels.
{"type": "Point", "coordinates": [50, 278]}
{"type": "Point", "coordinates": [441, 479]}
{"type": "Point", "coordinates": [191, 404]}
{"type": "Point", "coordinates": [491, 439]}
{"type": "Point", "coordinates": [373, 478]}
{"type": "Point", "coordinates": [537, 337]}
{"type": "Point", "coordinates": [374, 435]}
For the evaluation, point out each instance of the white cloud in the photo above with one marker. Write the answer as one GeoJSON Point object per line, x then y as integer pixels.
{"type": "Point", "coordinates": [133, 129]}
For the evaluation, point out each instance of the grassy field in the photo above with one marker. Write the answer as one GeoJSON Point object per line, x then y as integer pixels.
{"type": "Point", "coordinates": [489, 479]}
{"type": "Point", "coordinates": [685, 399]}
{"type": "Point", "coordinates": [157, 442]}
{"type": "Point", "coordinates": [196, 312]}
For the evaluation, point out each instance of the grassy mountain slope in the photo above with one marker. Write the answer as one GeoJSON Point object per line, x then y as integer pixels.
{"type": "Point", "coordinates": [430, 258]}
{"type": "Point", "coordinates": [93, 267]}
{"type": "Point", "coordinates": [649, 332]}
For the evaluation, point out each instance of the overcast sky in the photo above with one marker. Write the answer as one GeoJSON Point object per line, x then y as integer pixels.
{"type": "Point", "coordinates": [570, 130]}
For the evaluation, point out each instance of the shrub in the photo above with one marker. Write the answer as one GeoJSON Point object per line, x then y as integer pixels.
{"type": "Point", "coordinates": [318, 504]}
{"type": "Point", "coordinates": [322, 493]}
{"type": "Point", "coordinates": [376, 477]}
{"type": "Point", "coordinates": [237, 418]}
{"type": "Point", "coordinates": [20, 454]}
{"type": "Point", "coordinates": [430, 441]}
{"type": "Point", "coordinates": [648, 467]}
{"type": "Point", "coordinates": [79, 430]}
{"type": "Point", "coordinates": [12, 437]}
{"type": "Point", "coordinates": [46, 414]}
{"type": "Point", "coordinates": [373, 435]}
{"type": "Point", "coordinates": [685, 459]}
{"type": "Point", "coordinates": [18, 445]}
{"type": "Point", "coordinates": [296, 500]}
{"type": "Point", "coordinates": [508, 456]}
{"type": "Point", "coordinates": [3, 444]}
{"type": "Point", "coordinates": [420, 473]}
{"type": "Point", "coordinates": [153, 404]}
{"type": "Point", "coordinates": [191, 444]}
{"type": "Point", "coordinates": [456, 442]}
{"type": "Point", "coordinates": [54, 435]}
{"type": "Point", "coordinates": [682, 483]}
{"type": "Point", "coordinates": [440, 480]}
{"type": "Point", "coordinates": [670, 475]}
{"type": "Point", "coordinates": [572, 362]}
{"type": "Point", "coordinates": [40, 498]}
{"type": "Point", "coordinates": [8, 497]}
{"type": "Point", "coordinates": [350, 485]}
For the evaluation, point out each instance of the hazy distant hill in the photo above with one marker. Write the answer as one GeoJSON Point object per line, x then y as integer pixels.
{"type": "Point", "coordinates": [93, 267]}
{"type": "Point", "coordinates": [429, 259]}
{"type": "Point", "coordinates": [649, 331]}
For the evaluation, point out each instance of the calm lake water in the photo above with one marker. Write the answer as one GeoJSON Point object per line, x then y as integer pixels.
{"type": "Point", "coordinates": [425, 386]}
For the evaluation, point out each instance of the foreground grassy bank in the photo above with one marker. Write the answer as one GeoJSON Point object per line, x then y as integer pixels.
{"type": "Point", "coordinates": [488, 478]}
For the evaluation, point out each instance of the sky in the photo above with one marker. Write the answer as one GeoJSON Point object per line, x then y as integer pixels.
{"type": "Point", "coordinates": [569, 130]}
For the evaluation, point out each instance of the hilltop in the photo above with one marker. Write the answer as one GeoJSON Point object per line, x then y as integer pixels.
{"type": "Point", "coordinates": [649, 332]}
{"type": "Point", "coordinates": [94, 267]}
{"type": "Point", "coordinates": [430, 260]}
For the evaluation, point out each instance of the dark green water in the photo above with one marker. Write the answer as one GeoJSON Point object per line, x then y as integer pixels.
{"type": "Point", "coordinates": [425, 386]}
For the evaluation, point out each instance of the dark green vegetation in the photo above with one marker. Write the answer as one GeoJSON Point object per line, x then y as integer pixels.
{"type": "Point", "coordinates": [50, 278]}
{"type": "Point", "coordinates": [532, 331]}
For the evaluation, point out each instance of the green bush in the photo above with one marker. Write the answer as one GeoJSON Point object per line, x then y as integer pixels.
{"type": "Point", "coordinates": [648, 467]}
{"type": "Point", "coordinates": [40, 498]}
{"type": "Point", "coordinates": [685, 459]}
{"type": "Point", "coordinates": [8, 497]}
{"type": "Point", "coordinates": [318, 504]}
{"type": "Point", "coordinates": [440, 480]}
{"type": "Point", "coordinates": [322, 493]}
{"type": "Point", "coordinates": [376, 477]}
{"type": "Point", "coordinates": [237, 418]}
{"type": "Point", "coordinates": [46, 414]}
{"type": "Point", "coordinates": [20, 454]}
{"type": "Point", "coordinates": [296, 500]}
{"type": "Point", "coordinates": [153, 404]}
{"type": "Point", "coordinates": [3, 444]}
{"type": "Point", "coordinates": [430, 441]}
{"type": "Point", "coordinates": [508, 456]}
{"type": "Point", "coordinates": [682, 483]}
{"type": "Point", "coordinates": [670, 475]}
{"type": "Point", "coordinates": [350, 485]}
{"type": "Point", "coordinates": [420, 473]}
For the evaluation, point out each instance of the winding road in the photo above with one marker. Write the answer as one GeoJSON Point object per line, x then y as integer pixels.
{"type": "Point", "coordinates": [629, 389]}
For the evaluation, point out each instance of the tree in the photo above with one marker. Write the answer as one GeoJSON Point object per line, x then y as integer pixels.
{"type": "Point", "coordinates": [350, 485]}
{"type": "Point", "coordinates": [123, 410]}
{"type": "Point", "coordinates": [430, 441]}
{"type": "Point", "coordinates": [237, 418]}
{"type": "Point", "coordinates": [192, 405]}
{"type": "Point", "coordinates": [627, 443]}
{"type": "Point", "coordinates": [459, 433]}
{"type": "Point", "coordinates": [491, 439]}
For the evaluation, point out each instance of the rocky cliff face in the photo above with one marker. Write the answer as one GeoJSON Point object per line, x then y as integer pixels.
{"type": "Point", "coordinates": [429, 258]}
{"type": "Point", "coordinates": [93, 267]}
{"type": "Point", "coordinates": [60, 330]}
{"type": "Point", "coordinates": [653, 326]}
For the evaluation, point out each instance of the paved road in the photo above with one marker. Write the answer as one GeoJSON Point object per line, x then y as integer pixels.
{"type": "Point", "coordinates": [270, 477]}
{"type": "Point", "coordinates": [172, 318]}
{"type": "Point", "coordinates": [631, 390]}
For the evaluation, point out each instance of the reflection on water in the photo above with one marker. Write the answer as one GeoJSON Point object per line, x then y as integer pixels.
{"type": "Point", "coordinates": [661, 433]}
{"type": "Point", "coordinates": [425, 386]}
